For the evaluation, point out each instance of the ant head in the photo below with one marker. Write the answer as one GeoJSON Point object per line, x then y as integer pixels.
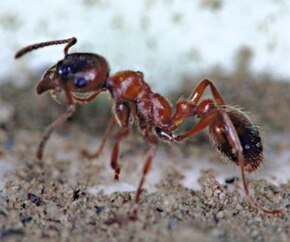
{"type": "Point", "coordinates": [76, 73]}
{"type": "Point", "coordinates": [83, 72]}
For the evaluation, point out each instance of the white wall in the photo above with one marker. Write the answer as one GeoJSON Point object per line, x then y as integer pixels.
{"type": "Point", "coordinates": [164, 39]}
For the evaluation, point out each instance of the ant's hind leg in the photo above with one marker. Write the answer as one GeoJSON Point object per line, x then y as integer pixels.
{"type": "Point", "coordinates": [199, 90]}
{"type": "Point", "coordinates": [107, 133]}
{"type": "Point", "coordinates": [237, 147]}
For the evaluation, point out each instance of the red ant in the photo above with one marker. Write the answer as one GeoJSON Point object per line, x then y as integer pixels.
{"type": "Point", "coordinates": [82, 76]}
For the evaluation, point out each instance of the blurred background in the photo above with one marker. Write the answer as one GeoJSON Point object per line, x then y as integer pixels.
{"type": "Point", "coordinates": [242, 46]}
{"type": "Point", "coordinates": [165, 39]}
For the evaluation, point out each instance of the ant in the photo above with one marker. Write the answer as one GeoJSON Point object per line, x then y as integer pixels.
{"type": "Point", "coordinates": [83, 76]}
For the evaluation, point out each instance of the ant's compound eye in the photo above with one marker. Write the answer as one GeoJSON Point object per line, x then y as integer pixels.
{"type": "Point", "coordinates": [80, 82]}
{"type": "Point", "coordinates": [65, 71]}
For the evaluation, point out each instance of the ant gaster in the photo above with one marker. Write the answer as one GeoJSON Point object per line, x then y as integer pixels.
{"type": "Point", "coordinates": [82, 76]}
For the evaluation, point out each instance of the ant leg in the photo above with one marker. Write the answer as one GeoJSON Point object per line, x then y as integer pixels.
{"type": "Point", "coordinates": [236, 144]}
{"type": "Point", "coordinates": [153, 143]}
{"type": "Point", "coordinates": [115, 153]}
{"type": "Point", "coordinates": [199, 90]}
{"type": "Point", "coordinates": [188, 108]}
{"type": "Point", "coordinates": [59, 121]}
{"type": "Point", "coordinates": [107, 133]}
{"type": "Point", "coordinates": [201, 125]}
{"type": "Point", "coordinates": [122, 113]}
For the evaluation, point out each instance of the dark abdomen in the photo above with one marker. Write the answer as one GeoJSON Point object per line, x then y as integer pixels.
{"type": "Point", "coordinates": [249, 137]}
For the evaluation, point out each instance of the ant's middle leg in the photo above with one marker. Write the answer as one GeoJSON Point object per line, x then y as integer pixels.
{"type": "Point", "coordinates": [153, 143]}
{"type": "Point", "coordinates": [122, 114]}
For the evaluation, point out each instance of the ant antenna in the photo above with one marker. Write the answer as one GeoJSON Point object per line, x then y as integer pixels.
{"type": "Point", "coordinates": [69, 42]}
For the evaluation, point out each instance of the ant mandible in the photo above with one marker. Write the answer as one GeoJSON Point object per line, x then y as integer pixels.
{"type": "Point", "coordinates": [83, 76]}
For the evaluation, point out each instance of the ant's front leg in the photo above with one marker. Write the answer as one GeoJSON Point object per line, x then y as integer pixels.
{"type": "Point", "coordinates": [122, 115]}
{"type": "Point", "coordinates": [107, 133]}
{"type": "Point", "coordinates": [58, 122]}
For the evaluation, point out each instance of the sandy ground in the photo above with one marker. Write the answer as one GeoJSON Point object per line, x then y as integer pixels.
{"type": "Point", "coordinates": [68, 198]}
{"type": "Point", "coordinates": [189, 194]}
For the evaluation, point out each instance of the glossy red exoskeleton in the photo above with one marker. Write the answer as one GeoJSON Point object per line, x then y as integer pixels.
{"type": "Point", "coordinates": [82, 76]}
